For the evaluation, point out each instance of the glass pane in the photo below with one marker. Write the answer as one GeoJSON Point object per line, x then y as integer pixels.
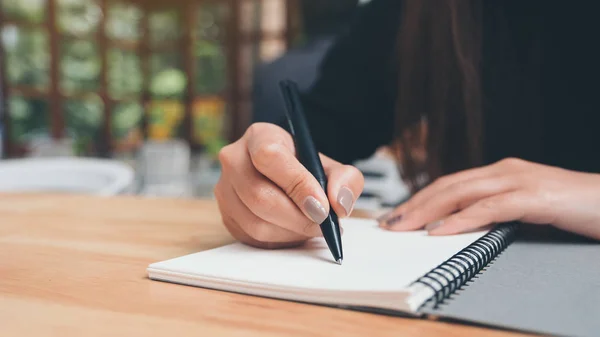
{"type": "Point", "coordinates": [84, 122]}
{"type": "Point", "coordinates": [167, 76]}
{"type": "Point", "coordinates": [124, 73]}
{"type": "Point", "coordinates": [27, 10]}
{"type": "Point", "coordinates": [78, 16]}
{"type": "Point", "coordinates": [165, 119]}
{"type": "Point", "coordinates": [80, 66]}
{"type": "Point", "coordinates": [271, 49]}
{"type": "Point", "coordinates": [273, 16]}
{"type": "Point", "coordinates": [126, 126]}
{"type": "Point", "coordinates": [29, 120]}
{"type": "Point", "coordinates": [208, 118]}
{"type": "Point", "coordinates": [250, 16]}
{"type": "Point", "coordinates": [123, 21]}
{"type": "Point", "coordinates": [27, 56]}
{"type": "Point", "coordinates": [211, 67]}
{"type": "Point", "coordinates": [164, 26]}
{"type": "Point", "coordinates": [209, 50]}
{"type": "Point", "coordinates": [212, 21]}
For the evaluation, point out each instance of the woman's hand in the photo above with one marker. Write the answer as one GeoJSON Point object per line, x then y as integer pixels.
{"type": "Point", "coordinates": [268, 199]}
{"type": "Point", "coordinates": [508, 190]}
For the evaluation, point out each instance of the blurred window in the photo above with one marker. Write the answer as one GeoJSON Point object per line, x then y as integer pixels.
{"type": "Point", "coordinates": [109, 74]}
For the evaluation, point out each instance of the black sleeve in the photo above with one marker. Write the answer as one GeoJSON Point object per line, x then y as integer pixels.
{"type": "Point", "coordinates": [350, 107]}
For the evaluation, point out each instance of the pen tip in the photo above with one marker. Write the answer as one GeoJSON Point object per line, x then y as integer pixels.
{"type": "Point", "coordinates": [339, 261]}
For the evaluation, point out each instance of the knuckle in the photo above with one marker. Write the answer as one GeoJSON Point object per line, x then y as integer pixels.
{"type": "Point", "coordinates": [225, 157]}
{"type": "Point", "coordinates": [266, 155]}
{"type": "Point", "coordinates": [297, 186]}
{"type": "Point", "coordinates": [259, 129]}
{"type": "Point", "coordinates": [254, 129]}
{"type": "Point", "coordinates": [511, 162]}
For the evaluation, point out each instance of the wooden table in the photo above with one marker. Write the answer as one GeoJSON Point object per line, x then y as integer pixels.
{"type": "Point", "coordinates": [76, 266]}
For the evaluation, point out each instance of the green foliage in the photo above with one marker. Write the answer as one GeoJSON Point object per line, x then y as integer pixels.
{"type": "Point", "coordinates": [211, 67]}
{"type": "Point", "coordinates": [84, 116]}
{"type": "Point", "coordinates": [123, 21]}
{"type": "Point", "coordinates": [84, 121]}
{"type": "Point", "coordinates": [214, 145]}
{"type": "Point", "coordinates": [125, 118]}
{"type": "Point", "coordinates": [168, 83]}
{"type": "Point", "coordinates": [27, 63]}
{"type": "Point", "coordinates": [80, 65]}
{"type": "Point", "coordinates": [28, 10]}
{"type": "Point", "coordinates": [80, 17]}
{"type": "Point", "coordinates": [27, 118]}
{"type": "Point", "coordinates": [164, 26]}
{"type": "Point", "coordinates": [168, 80]}
{"type": "Point", "coordinates": [209, 51]}
{"type": "Point", "coordinates": [124, 73]}
{"type": "Point", "coordinates": [27, 56]}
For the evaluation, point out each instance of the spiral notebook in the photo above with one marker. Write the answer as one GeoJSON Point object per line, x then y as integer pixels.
{"type": "Point", "coordinates": [400, 272]}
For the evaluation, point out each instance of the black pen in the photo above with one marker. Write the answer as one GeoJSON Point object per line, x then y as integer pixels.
{"type": "Point", "coordinates": [309, 157]}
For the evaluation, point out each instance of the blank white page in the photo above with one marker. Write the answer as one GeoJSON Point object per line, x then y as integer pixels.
{"type": "Point", "coordinates": [375, 260]}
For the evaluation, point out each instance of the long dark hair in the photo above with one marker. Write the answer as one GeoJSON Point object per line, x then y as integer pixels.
{"type": "Point", "coordinates": [439, 50]}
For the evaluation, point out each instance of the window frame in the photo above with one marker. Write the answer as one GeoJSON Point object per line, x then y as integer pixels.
{"type": "Point", "coordinates": [233, 94]}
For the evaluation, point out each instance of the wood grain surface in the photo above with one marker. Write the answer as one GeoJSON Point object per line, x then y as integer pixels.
{"type": "Point", "coordinates": [76, 266]}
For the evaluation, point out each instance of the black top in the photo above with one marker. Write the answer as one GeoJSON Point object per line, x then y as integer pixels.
{"type": "Point", "coordinates": [540, 74]}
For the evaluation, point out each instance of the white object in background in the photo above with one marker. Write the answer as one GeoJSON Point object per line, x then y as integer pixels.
{"type": "Point", "coordinates": [164, 167]}
{"type": "Point", "coordinates": [368, 204]}
{"type": "Point", "coordinates": [66, 175]}
{"type": "Point", "coordinates": [170, 190]}
{"type": "Point", "coordinates": [382, 179]}
{"type": "Point", "coordinates": [51, 148]}
{"type": "Point", "coordinates": [206, 176]}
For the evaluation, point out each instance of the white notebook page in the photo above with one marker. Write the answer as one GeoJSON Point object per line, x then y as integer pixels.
{"type": "Point", "coordinates": [375, 260]}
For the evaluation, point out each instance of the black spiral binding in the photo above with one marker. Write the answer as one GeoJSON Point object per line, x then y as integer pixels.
{"type": "Point", "coordinates": [455, 272]}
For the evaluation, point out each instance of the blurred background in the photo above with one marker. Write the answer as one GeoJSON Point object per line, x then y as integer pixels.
{"type": "Point", "coordinates": [158, 86]}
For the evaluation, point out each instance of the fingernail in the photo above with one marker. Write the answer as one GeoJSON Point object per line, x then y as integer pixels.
{"type": "Point", "coordinates": [384, 216]}
{"type": "Point", "coordinates": [346, 199]}
{"type": "Point", "coordinates": [393, 220]}
{"type": "Point", "coordinates": [315, 210]}
{"type": "Point", "coordinates": [433, 225]}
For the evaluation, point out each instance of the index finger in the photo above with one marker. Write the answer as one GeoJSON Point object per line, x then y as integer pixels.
{"type": "Point", "coordinates": [273, 154]}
